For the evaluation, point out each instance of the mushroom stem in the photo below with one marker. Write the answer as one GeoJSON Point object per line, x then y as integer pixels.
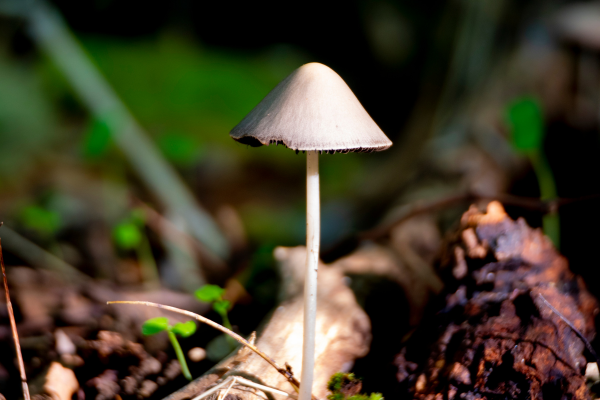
{"type": "Point", "coordinates": [313, 239]}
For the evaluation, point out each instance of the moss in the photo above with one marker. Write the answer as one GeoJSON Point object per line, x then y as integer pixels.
{"type": "Point", "coordinates": [345, 386]}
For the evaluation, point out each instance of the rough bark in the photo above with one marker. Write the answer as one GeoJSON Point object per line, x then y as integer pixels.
{"type": "Point", "coordinates": [494, 335]}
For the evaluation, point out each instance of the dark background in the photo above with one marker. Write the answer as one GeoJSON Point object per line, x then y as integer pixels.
{"type": "Point", "coordinates": [435, 76]}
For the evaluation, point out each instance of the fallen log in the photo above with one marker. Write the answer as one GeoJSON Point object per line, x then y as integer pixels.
{"type": "Point", "coordinates": [343, 335]}
{"type": "Point", "coordinates": [513, 323]}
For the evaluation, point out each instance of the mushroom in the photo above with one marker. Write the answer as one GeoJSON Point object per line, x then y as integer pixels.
{"type": "Point", "coordinates": [312, 110]}
{"type": "Point", "coordinates": [579, 23]}
{"type": "Point", "coordinates": [578, 26]}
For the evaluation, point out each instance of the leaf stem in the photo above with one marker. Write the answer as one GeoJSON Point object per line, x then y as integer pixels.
{"type": "Point", "coordinates": [179, 353]}
{"type": "Point", "coordinates": [226, 322]}
{"type": "Point", "coordinates": [227, 325]}
{"type": "Point", "coordinates": [283, 371]}
{"type": "Point", "coordinates": [146, 259]}
{"type": "Point", "coordinates": [550, 221]}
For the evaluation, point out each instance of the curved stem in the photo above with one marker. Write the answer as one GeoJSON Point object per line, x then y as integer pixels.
{"type": "Point", "coordinates": [180, 357]}
{"type": "Point", "coordinates": [313, 238]}
{"type": "Point", "coordinates": [550, 221]}
{"type": "Point", "coordinates": [227, 325]}
{"type": "Point", "coordinates": [147, 262]}
{"type": "Point", "coordinates": [283, 371]}
{"type": "Point", "coordinates": [13, 327]}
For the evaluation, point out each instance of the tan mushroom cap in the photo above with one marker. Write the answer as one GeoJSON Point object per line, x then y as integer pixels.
{"type": "Point", "coordinates": [312, 109]}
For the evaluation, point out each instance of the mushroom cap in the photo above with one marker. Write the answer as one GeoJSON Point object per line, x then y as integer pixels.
{"type": "Point", "coordinates": [580, 23]}
{"type": "Point", "coordinates": [312, 110]}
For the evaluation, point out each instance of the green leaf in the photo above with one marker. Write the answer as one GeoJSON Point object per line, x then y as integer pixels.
{"type": "Point", "coordinates": [376, 396]}
{"type": "Point", "coordinates": [184, 329]}
{"type": "Point", "coordinates": [209, 293]}
{"type": "Point", "coordinates": [221, 306]}
{"type": "Point", "coordinates": [97, 139]}
{"type": "Point", "coordinates": [127, 235]}
{"type": "Point", "coordinates": [155, 325]}
{"type": "Point", "coordinates": [41, 220]}
{"type": "Point", "coordinates": [526, 124]}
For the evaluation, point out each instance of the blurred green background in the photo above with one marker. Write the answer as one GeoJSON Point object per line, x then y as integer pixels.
{"type": "Point", "coordinates": [485, 97]}
{"type": "Point", "coordinates": [190, 71]}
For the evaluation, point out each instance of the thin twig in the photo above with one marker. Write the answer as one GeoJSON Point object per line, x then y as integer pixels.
{"type": "Point", "coordinates": [13, 326]}
{"type": "Point", "coordinates": [258, 386]}
{"type": "Point", "coordinates": [588, 345]}
{"type": "Point", "coordinates": [222, 395]}
{"type": "Point", "coordinates": [414, 210]}
{"type": "Point", "coordinates": [242, 381]}
{"type": "Point", "coordinates": [283, 371]}
{"type": "Point", "coordinates": [346, 245]}
{"type": "Point", "coordinates": [531, 203]}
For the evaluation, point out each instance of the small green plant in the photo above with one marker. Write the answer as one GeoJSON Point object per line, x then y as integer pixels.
{"type": "Point", "coordinates": [129, 235]}
{"type": "Point", "coordinates": [183, 329]}
{"type": "Point", "coordinates": [526, 122]}
{"type": "Point", "coordinates": [345, 386]}
{"type": "Point", "coordinates": [214, 294]}
{"type": "Point", "coordinates": [41, 220]}
{"type": "Point", "coordinates": [45, 224]}
{"type": "Point", "coordinates": [223, 344]}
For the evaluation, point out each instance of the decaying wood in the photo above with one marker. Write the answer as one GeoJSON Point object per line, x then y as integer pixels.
{"type": "Point", "coordinates": [496, 337]}
{"type": "Point", "coordinates": [343, 334]}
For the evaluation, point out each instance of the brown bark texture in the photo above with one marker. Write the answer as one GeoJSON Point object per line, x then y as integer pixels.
{"type": "Point", "coordinates": [495, 334]}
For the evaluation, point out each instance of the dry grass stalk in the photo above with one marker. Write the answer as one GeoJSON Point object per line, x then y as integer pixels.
{"type": "Point", "coordinates": [13, 326]}
{"type": "Point", "coordinates": [283, 371]}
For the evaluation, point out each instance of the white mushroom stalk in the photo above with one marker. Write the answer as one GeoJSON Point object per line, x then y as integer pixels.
{"type": "Point", "coordinates": [313, 240]}
{"type": "Point", "coordinates": [311, 110]}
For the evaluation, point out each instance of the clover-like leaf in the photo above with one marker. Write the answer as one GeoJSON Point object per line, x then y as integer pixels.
{"type": "Point", "coordinates": [526, 121]}
{"type": "Point", "coordinates": [221, 306]}
{"type": "Point", "coordinates": [209, 293]}
{"type": "Point", "coordinates": [155, 325]}
{"type": "Point", "coordinates": [127, 235]}
{"type": "Point", "coordinates": [184, 329]}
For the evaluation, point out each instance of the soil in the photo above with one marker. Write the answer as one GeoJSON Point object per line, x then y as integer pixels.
{"type": "Point", "coordinates": [512, 322]}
